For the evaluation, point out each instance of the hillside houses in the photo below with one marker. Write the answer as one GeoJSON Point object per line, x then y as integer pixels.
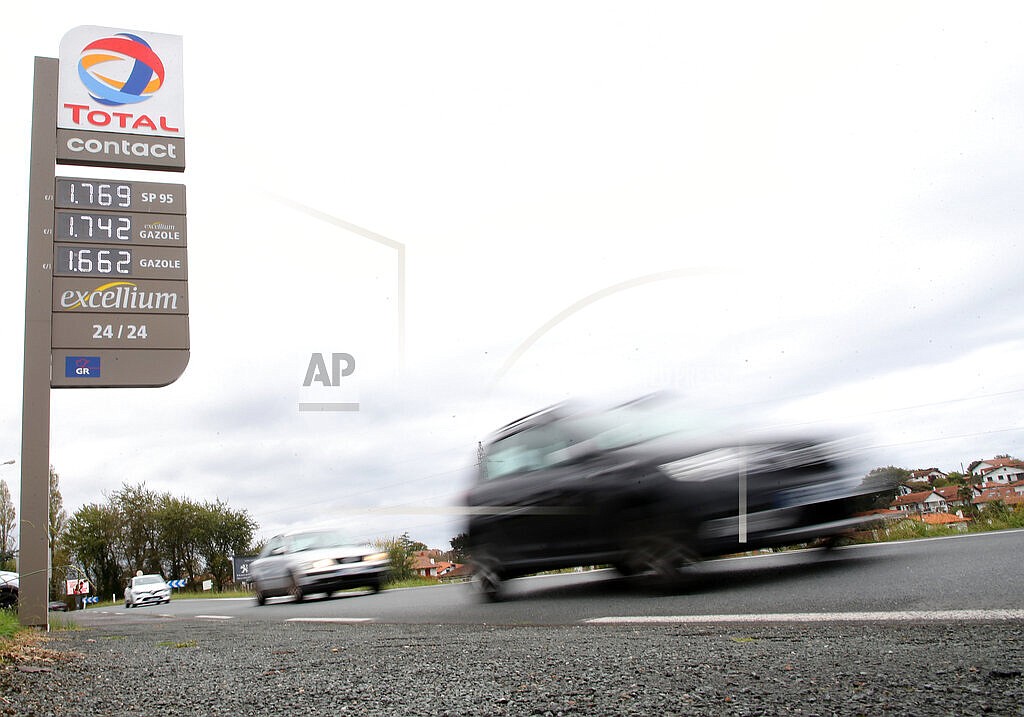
{"type": "Point", "coordinates": [996, 479]}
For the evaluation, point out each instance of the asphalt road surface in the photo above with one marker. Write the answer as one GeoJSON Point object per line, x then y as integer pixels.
{"type": "Point", "coordinates": [973, 572]}
{"type": "Point", "coordinates": [922, 628]}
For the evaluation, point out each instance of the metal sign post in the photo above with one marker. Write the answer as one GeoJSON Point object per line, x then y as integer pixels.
{"type": "Point", "coordinates": [117, 313]}
{"type": "Point", "coordinates": [33, 554]}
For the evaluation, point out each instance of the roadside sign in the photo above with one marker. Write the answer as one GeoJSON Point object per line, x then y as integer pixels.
{"type": "Point", "coordinates": [106, 272]}
{"type": "Point", "coordinates": [77, 587]}
{"type": "Point", "coordinates": [240, 565]}
{"type": "Point", "coordinates": [179, 583]}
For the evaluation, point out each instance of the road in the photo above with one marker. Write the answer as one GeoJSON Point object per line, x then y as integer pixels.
{"type": "Point", "coordinates": [971, 572]}
{"type": "Point", "coordinates": [835, 638]}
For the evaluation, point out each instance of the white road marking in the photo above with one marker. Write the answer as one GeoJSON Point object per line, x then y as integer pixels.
{"type": "Point", "coordinates": [330, 619]}
{"type": "Point", "coordinates": [900, 616]}
{"type": "Point", "coordinates": [215, 617]}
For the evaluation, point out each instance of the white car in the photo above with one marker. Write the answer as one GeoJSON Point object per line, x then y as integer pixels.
{"type": "Point", "coordinates": [316, 561]}
{"type": "Point", "coordinates": [8, 589]}
{"type": "Point", "coordinates": [146, 590]}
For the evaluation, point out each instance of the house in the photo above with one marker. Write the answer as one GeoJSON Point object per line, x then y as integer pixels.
{"type": "Point", "coordinates": [428, 564]}
{"type": "Point", "coordinates": [1003, 475]}
{"type": "Point", "coordinates": [1009, 495]}
{"type": "Point", "coordinates": [925, 501]}
{"type": "Point", "coordinates": [951, 494]}
{"type": "Point", "coordinates": [998, 471]}
{"type": "Point", "coordinates": [926, 475]}
{"type": "Point", "coordinates": [460, 573]}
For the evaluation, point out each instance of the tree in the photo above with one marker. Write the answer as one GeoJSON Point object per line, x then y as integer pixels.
{"type": "Point", "coordinates": [966, 494]}
{"type": "Point", "coordinates": [222, 533]}
{"type": "Point", "coordinates": [136, 507]}
{"type": "Point", "coordinates": [57, 519]}
{"type": "Point", "coordinates": [399, 554]}
{"type": "Point", "coordinates": [460, 548]}
{"type": "Point", "coordinates": [177, 522]}
{"type": "Point", "coordinates": [139, 529]}
{"type": "Point", "coordinates": [885, 481]}
{"type": "Point", "coordinates": [93, 535]}
{"type": "Point", "coordinates": [8, 525]}
{"type": "Point", "coordinates": [411, 546]}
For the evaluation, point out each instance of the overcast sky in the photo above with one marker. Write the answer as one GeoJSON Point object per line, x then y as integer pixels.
{"type": "Point", "coordinates": [796, 214]}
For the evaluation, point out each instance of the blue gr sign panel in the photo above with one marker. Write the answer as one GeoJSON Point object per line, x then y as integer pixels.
{"type": "Point", "coordinates": [81, 367]}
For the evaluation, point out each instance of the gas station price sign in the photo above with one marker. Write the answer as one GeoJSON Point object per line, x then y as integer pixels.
{"type": "Point", "coordinates": [110, 195]}
{"type": "Point", "coordinates": [145, 262]}
{"type": "Point", "coordinates": [119, 228]}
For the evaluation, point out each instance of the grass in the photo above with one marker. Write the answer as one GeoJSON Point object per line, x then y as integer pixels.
{"type": "Point", "coordinates": [59, 623]}
{"type": "Point", "coordinates": [416, 582]}
{"type": "Point", "coordinates": [9, 625]}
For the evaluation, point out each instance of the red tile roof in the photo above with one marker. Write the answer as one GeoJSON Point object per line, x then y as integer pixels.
{"type": "Point", "coordinates": [940, 518]}
{"type": "Point", "coordinates": [1009, 494]}
{"type": "Point", "coordinates": [912, 498]}
{"type": "Point", "coordinates": [949, 492]}
{"type": "Point", "coordinates": [1002, 463]}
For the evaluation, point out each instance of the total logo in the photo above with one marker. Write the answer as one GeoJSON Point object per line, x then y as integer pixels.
{"type": "Point", "coordinates": [107, 75]}
{"type": "Point", "coordinates": [120, 70]}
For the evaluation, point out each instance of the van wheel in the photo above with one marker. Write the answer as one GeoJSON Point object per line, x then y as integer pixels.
{"type": "Point", "coordinates": [488, 582]}
{"type": "Point", "coordinates": [664, 556]}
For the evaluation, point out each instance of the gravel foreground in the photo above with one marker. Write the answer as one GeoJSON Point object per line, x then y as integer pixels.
{"type": "Point", "coordinates": [199, 668]}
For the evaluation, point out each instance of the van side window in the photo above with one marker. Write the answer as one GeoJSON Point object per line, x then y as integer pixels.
{"type": "Point", "coordinates": [522, 452]}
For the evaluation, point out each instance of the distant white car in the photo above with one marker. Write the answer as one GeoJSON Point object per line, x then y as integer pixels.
{"type": "Point", "coordinates": [8, 589]}
{"type": "Point", "coordinates": [146, 590]}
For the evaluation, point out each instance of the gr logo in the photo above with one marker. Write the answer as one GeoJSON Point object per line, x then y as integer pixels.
{"type": "Point", "coordinates": [323, 388]}
{"type": "Point", "coordinates": [318, 369]}
{"type": "Point", "coordinates": [82, 367]}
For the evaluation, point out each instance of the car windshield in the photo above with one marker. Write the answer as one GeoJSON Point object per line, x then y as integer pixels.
{"type": "Point", "coordinates": [316, 540]}
{"type": "Point", "coordinates": [147, 580]}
